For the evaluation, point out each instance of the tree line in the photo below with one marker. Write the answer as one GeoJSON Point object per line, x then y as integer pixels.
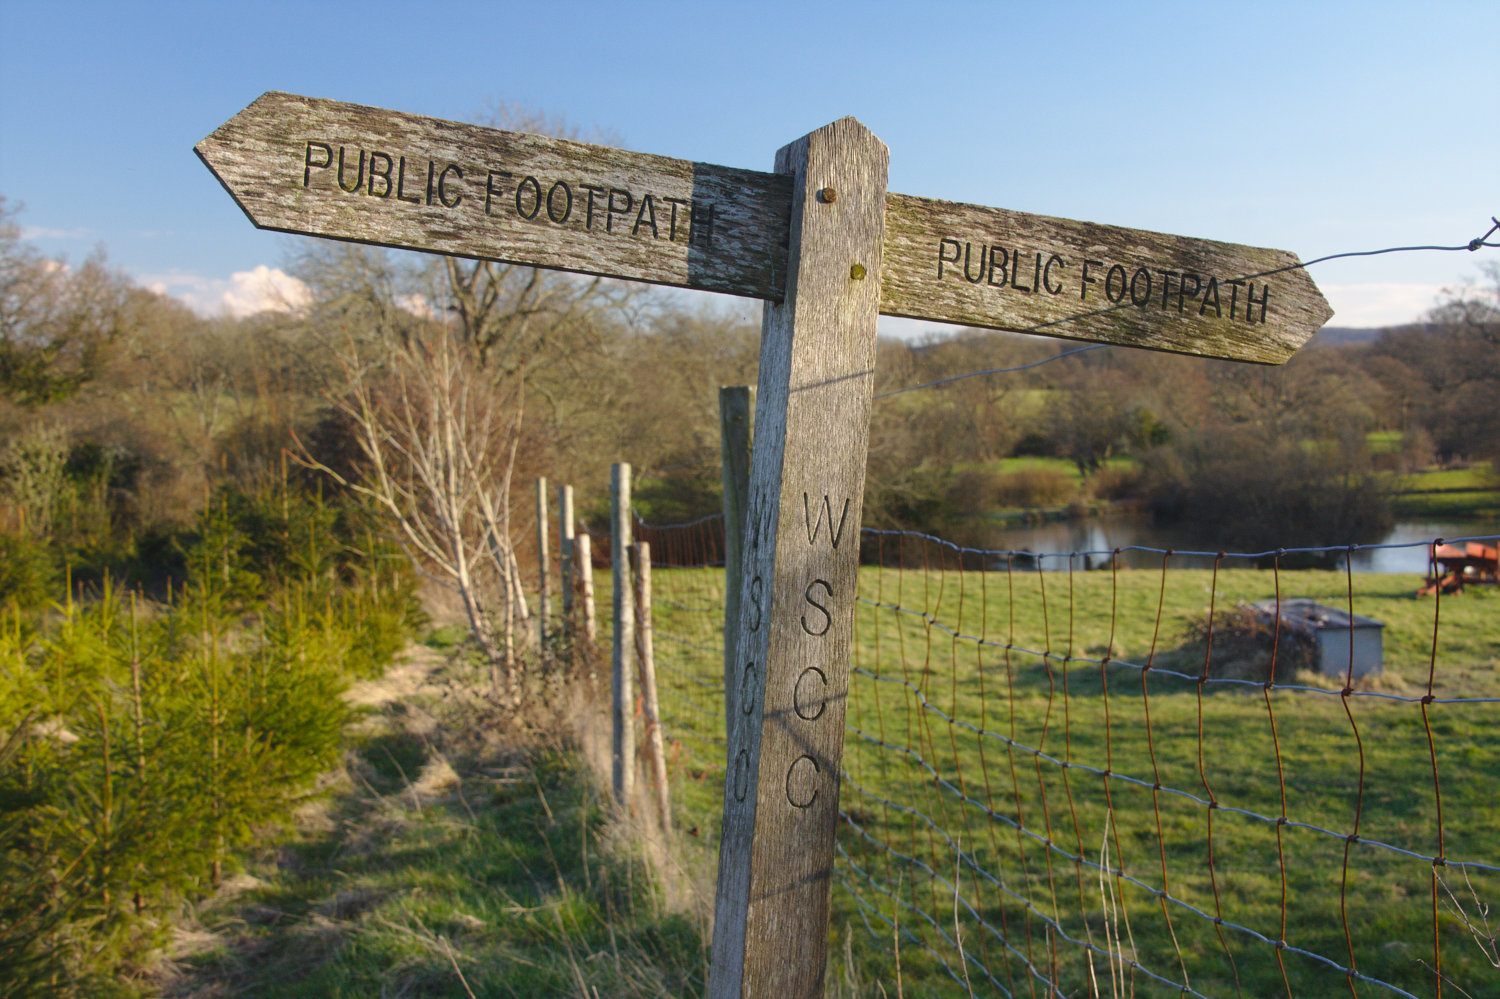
{"type": "Point", "coordinates": [120, 410]}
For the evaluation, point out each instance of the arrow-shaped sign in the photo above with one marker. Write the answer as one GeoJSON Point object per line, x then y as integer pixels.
{"type": "Point", "coordinates": [344, 171]}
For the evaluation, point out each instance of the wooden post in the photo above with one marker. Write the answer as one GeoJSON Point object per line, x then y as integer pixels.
{"type": "Point", "coordinates": [655, 751]}
{"type": "Point", "coordinates": [584, 545]}
{"type": "Point", "coordinates": [565, 550]}
{"type": "Point", "coordinates": [543, 602]}
{"type": "Point", "coordinates": [801, 556]}
{"type": "Point", "coordinates": [622, 673]}
{"type": "Point", "coordinates": [734, 452]}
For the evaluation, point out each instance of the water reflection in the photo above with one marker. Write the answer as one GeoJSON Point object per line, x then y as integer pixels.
{"type": "Point", "coordinates": [1093, 542]}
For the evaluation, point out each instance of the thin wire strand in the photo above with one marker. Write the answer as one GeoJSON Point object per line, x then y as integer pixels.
{"type": "Point", "coordinates": [993, 371]}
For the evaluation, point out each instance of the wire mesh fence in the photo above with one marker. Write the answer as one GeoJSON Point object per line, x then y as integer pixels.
{"type": "Point", "coordinates": [1121, 780]}
{"type": "Point", "coordinates": [688, 630]}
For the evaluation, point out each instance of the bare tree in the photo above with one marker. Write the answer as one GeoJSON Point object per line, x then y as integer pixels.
{"type": "Point", "coordinates": [439, 439]}
{"type": "Point", "coordinates": [58, 324]}
{"type": "Point", "coordinates": [434, 359]}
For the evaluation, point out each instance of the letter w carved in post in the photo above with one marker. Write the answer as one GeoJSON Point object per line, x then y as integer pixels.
{"type": "Point", "coordinates": [758, 520]}
{"type": "Point", "coordinates": [814, 526]}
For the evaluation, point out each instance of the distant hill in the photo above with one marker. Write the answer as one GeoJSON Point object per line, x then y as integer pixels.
{"type": "Point", "coordinates": [1338, 336]}
{"type": "Point", "coordinates": [1341, 336]}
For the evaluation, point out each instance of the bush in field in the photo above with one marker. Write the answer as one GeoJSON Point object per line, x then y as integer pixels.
{"type": "Point", "coordinates": [1236, 490]}
{"type": "Point", "coordinates": [1033, 487]}
{"type": "Point", "coordinates": [1243, 645]}
{"type": "Point", "coordinates": [982, 489]}
{"type": "Point", "coordinates": [1115, 483]}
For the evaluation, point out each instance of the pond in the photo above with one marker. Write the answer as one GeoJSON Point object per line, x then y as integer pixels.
{"type": "Point", "coordinates": [1403, 549]}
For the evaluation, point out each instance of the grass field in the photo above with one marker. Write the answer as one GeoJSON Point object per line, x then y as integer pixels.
{"type": "Point", "coordinates": [1471, 493]}
{"type": "Point", "coordinates": [954, 775]}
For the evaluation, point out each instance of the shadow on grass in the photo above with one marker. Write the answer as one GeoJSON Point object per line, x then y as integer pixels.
{"type": "Point", "coordinates": [503, 880]}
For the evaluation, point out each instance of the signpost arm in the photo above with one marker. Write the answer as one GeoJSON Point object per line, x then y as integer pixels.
{"type": "Point", "coordinates": [801, 554]}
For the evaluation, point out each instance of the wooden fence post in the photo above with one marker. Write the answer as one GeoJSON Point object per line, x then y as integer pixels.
{"type": "Point", "coordinates": [734, 451]}
{"type": "Point", "coordinates": [655, 751]}
{"type": "Point", "coordinates": [622, 673]}
{"type": "Point", "coordinates": [543, 603]}
{"type": "Point", "coordinates": [584, 545]}
{"type": "Point", "coordinates": [565, 556]}
{"type": "Point", "coordinates": [800, 561]}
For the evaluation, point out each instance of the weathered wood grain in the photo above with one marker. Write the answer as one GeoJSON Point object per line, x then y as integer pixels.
{"type": "Point", "coordinates": [650, 704]}
{"type": "Point", "coordinates": [583, 547]}
{"type": "Point", "coordinates": [623, 651]}
{"type": "Point", "coordinates": [543, 589]}
{"type": "Point", "coordinates": [566, 557]}
{"type": "Point", "coordinates": [1006, 270]}
{"type": "Point", "coordinates": [734, 456]}
{"type": "Point", "coordinates": [424, 184]}
{"type": "Point", "coordinates": [801, 553]}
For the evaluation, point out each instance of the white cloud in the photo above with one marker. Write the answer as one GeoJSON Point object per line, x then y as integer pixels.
{"type": "Point", "coordinates": [1375, 305]}
{"type": "Point", "coordinates": [263, 289]}
{"type": "Point", "coordinates": [418, 305]}
{"type": "Point", "coordinates": [42, 232]}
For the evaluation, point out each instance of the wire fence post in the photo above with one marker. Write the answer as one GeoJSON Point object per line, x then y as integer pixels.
{"type": "Point", "coordinates": [585, 549]}
{"type": "Point", "coordinates": [655, 750]}
{"type": "Point", "coordinates": [565, 557]}
{"type": "Point", "coordinates": [817, 361]}
{"type": "Point", "coordinates": [734, 450]}
{"type": "Point", "coordinates": [543, 602]}
{"type": "Point", "coordinates": [622, 673]}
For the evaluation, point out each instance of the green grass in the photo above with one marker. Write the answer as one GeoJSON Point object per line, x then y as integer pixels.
{"type": "Point", "coordinates": [1475, 477]}
{"type": "Point", "coordinates": [1481, 507]}
{"type": "Point", "coordinates": [1462, 494]}
{"type": "Point", "coordinates": [1107, 718]}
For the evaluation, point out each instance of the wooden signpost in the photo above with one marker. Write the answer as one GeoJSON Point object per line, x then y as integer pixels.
{"type": "Point", "coordinates": [828, 248]}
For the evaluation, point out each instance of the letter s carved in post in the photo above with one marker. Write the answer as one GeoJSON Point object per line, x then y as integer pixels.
{"type": "Point", "coordinates": [757, 601]}
{"type": "Point", "coordinates": [816, 628]}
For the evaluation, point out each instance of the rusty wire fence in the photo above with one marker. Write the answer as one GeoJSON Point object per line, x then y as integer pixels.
{"type": "Point", "coordinates": [1109, 773]}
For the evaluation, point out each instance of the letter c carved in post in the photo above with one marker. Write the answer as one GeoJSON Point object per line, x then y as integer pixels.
{"type": "Point", "coordinates": [747, 689]}
{"type": "Point", "coordinates": [802, 782]}
{"type": "Point", "coordinates": [807, 700]}
{"type": "Point", "coordinates": [740, 778]}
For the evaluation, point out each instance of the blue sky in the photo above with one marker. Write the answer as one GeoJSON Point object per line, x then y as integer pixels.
{"type": "Point", "coordinates": [1312, 127]}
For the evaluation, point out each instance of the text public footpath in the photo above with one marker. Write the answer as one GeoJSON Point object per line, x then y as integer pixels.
{"type": "Point", "coordinates": [428, 182]}
{"type": "Point", "coordinates": [1106, 283]}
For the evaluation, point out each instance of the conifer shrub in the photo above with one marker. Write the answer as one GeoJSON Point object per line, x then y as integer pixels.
{"type": "Point", "coordinates": [28, 577]}
{"type": "Point", "coordinates": [145, 744]}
